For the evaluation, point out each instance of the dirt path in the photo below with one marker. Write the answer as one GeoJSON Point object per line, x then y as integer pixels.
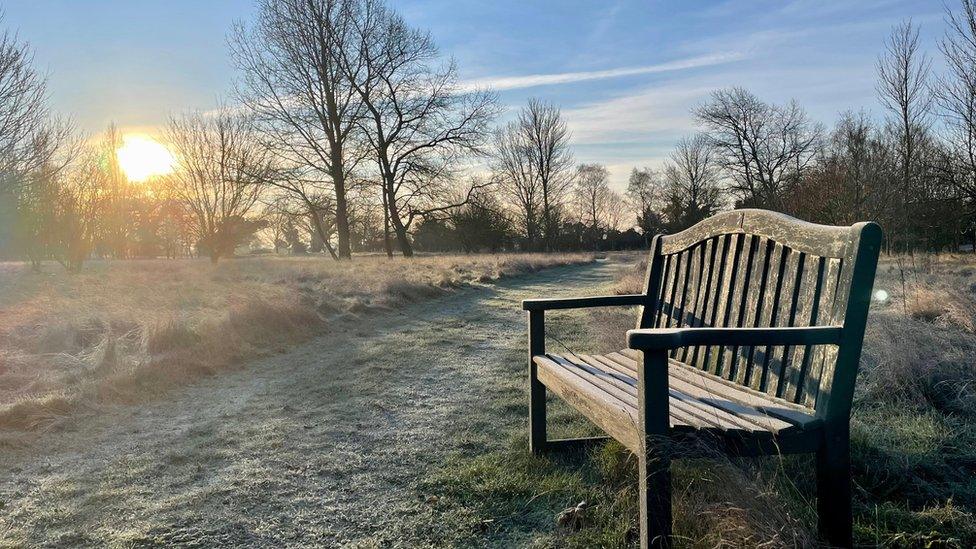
{"type": "Point", "coordinates": [320, 446]}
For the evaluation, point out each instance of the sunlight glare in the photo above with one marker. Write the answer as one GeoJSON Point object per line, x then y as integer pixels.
{"type": "Point", "coordinates": [142, 157]}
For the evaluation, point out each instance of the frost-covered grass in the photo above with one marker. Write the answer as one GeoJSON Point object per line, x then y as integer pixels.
{"type": "Point", "coordinates": [913, 437]}
{"type": "Point", "coordinates": [127, 330]}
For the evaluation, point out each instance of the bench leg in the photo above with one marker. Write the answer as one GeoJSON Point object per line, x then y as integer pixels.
{"type": "Point", "coordinates": [654, 462]}
{"type": "Point", "coordinates": [834, 491]}
{"type": "Point", "coordinates": [655, 500]}
{"type": "Point", "coordinates": [537, 391]}
{"type": "Point", "coordinates": [537, 415]}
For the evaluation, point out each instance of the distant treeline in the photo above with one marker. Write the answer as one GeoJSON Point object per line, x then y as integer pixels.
{"type": "Point", "coordinates": [364, 139]}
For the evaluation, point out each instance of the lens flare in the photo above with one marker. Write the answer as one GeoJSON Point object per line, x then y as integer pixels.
{"type": "Point", "coordinates": [142, 157]}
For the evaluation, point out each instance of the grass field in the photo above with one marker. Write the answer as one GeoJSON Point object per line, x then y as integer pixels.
{"type": "Point", "coordinates": [913, 435]}
{"type": "Point", "coordinates": [123, 331]}
{"type": "Point", "coordinates": [126, 331]}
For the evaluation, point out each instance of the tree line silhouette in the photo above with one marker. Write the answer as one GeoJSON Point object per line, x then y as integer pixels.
{"type": "Point", "coordinates": [348, 131]}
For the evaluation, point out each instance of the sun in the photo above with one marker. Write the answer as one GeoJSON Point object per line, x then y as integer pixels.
{"type": "Point", "coordinates": [142, 157]}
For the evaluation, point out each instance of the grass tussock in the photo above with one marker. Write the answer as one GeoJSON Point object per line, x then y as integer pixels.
{"type": "Point", "coordinates": [125, 331]}
{"type": "Point", "coordinates": [913, 441]}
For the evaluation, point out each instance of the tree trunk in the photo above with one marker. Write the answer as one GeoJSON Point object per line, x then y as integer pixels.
{"type": "Point", "coordinates": [321, 231]}
{"type": "Point", "coordinates": [401, 231]}
{"type": "Point", "coordinates": [387, 245]}
{"type": "Point", "coordinates": [402, 240]}
{"type": "Point", "coordinates": [546, 217]}
{"type": "Point", "coordinates": [342, 213]}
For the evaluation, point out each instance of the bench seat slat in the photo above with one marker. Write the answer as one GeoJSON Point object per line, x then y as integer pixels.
{"type": "Point", "coordinates": [610, 414]}
{"type": "Point", "coordinates": [570, 369]}
{"type": "Point", "coordinates": [604, 388]}
{"type": "Point", "coordinates": [772, 406]}
{"type": "Point", "coordinates": [748, 417]}
{"type": "Point", "coordinates": [687, 412]}
{"type": "Point", "coordinates": [717, 416]}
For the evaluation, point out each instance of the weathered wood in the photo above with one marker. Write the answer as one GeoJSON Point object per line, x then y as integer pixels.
{"type": "Point", "coordinates": [716, 274]}
{"type": "Point", "coordinates": [616, 418]}
{"type": "Point", "coordinates": [687, 281]}
{"type": "Point", "coordinates": [710, 354]}
{"type": "Point", "coordinates": [648, 315]}
{"type": "Point", "coordinates": [834, 403]}
{"type": "Point", "coordinates": [723, 388]}
{"type": "Point", "coordinates": [693, 402]}
{"type": "Point", "coordinates": [701, 305]}
{"type": "Point", "coordinates": [806, 237]}
{"type": "Point", "coordinates": [671, 338]}
{"type": "Point", "coordinates": [537, 391]}
{"type": "Point", "coordinates": [786, 366]}
{"type": "Point", "coordinates": [664, 300]}
{"type": "Point", "coordinates": [654, 459]}
{"type": "Point", "coordinates": [769, 311]}
{"type": "Point", "coordinates": [773, 361]}
{"type": "Point", "coordinates": [741, 300]}
{"type": "Point", "coordinates": [834, 513]}
{"type": "Point", "coordinates": [706, 410]}
{"type": "Point", "coordinates": [624, 390]}
{"type": "Point", "coordinates": [820, 353]}
{"type": "Point", "coordinates": [748, 337]}
{"type": "Point", "coordinates": [673, 295]}
{"type": "Point", "coordinates": [728, 301]}
{"type": "Point", "coordinates": [628, 300]}
{"type": "Point", "coordinates": [757, 300]}
{"type": "Point", "coordinates": [811, 317]}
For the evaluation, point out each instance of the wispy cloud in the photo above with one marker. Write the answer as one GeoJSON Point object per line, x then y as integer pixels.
{"type": "Point", "coordinates": [604, 22]}
{"type": "Point", "coordinates": [533, 80]}
{"type": "Point", "coordinates": [649, 113]}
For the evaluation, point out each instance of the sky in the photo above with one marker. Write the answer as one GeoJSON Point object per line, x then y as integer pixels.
{"type": "Point", "coordinates": [626, 73]}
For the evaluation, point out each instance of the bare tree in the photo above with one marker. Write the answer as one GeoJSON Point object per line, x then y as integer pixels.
{"type": "Point", "coordinates": [30, 142]}
{"type": "Point", "coordinates": [367, 216]}
{"type": "Point", "coordinates": [417, 121]}
{"type": "Point", "coordinates": [115, 223]}
{"type": "Point", "coordinates": [956, 94]}
{"type": "Point", "coordinates": [903, 75]}
{"type": "Point", "coordinates": [615, 209]}
{"type": "Point", "coordinates": [763, 148]}
{"type": "Point", "coordinates": [691, 183]}
{"type": "Point", "coordinates": [851, 180]}
{"type": "Point", "coordinates": [28, 137]}
{"type": "Point", "coordinates": [512, 164]}
{"type": "Point", "coordinates": [77, 211]}
{"type": "Point", "coordinates": [301, 96]}
{"type": "Point", "coordinates": [644, 189]}
{"type": "Point", "coordinates": [548, 136]}
{"type": "Point", "coordinates": [592, 192]}
{"type": "Point", "coordinates": [220, 169]}
{"type": "Point", "coordinates": [278, 216]}
{"type": "Point", "coordinates": [533, 158]}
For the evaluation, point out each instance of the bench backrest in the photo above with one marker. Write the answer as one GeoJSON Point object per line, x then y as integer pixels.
{"type": "Point", "coordinates": [755, 268]}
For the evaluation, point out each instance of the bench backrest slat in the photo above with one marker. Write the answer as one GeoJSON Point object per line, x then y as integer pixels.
{"type": "Point", "coordinates": [753, 268]}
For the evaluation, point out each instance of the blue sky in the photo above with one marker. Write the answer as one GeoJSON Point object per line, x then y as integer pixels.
{"type": "Point", "coordinates": [626, 73]}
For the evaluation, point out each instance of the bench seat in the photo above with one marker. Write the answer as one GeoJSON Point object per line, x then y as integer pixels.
{"type": "Point", "coordinates": [743, 421]}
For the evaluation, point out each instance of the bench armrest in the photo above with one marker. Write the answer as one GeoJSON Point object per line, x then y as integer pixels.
{"type": "Point", "coordinates": [583, 302]}
{"type": "Point", "coordinates": [674, 338]}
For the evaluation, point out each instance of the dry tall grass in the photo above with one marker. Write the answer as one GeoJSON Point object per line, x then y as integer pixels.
{"type": "Point", "coordinates": [121, 331]}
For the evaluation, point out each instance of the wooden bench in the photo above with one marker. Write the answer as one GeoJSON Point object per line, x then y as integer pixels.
{"type": "Point", "coordinates": [748, 337]}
